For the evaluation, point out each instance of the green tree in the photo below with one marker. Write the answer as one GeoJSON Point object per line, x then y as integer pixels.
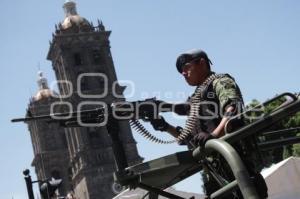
{"type": "Point", "coordinates": [277, 154]}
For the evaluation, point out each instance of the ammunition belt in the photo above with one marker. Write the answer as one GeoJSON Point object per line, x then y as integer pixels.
{"type": "Point", "coordinates": [191, 123]}
{"type": "Point", "coordinates": [135, 124]}
{"type": "Point", "coordinates": [197, 98]}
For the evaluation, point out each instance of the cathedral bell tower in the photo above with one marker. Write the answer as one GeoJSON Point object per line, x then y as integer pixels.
{"type": "Point", "coordinates": [51, 156]}
{"type": "Point", "coordinates": [84, 68]}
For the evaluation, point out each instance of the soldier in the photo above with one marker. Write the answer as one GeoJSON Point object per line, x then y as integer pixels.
{"type": "Point", "coordinates": [220, 99]}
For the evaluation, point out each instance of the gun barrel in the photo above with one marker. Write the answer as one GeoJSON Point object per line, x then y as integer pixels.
{"type": "Point", "coordinates": [60, 116]}
{"type": "Point", "coordinates": [144, 108]}
{"type": "Point", "coordinates": [26, 119]}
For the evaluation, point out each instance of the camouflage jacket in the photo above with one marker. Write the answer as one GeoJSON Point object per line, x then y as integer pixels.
{"type": "Point", "coordinates": [216, 96]}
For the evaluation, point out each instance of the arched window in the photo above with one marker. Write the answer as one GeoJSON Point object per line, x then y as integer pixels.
{"type": "Point", "coordinates": [77, 59]}
{"type": "Point", "coordinates": [55, 174]}
{"type": "Point", "coordinates": [94, 137]}
{"type": "Point", "coordinates": [96, 56]}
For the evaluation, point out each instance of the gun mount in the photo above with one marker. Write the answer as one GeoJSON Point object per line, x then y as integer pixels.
{"type": "Point", "coordinates": [176, 167]}
{"type": "Point", "coordinates": [156, 175]}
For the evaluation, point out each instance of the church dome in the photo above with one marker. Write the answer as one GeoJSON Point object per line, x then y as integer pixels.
{"type": "Point", "coordinates": [44, 91]}
{"type": "Point", "coordinates": [42, 94]}
{"type": "Point", "coordinates": [72, 19]}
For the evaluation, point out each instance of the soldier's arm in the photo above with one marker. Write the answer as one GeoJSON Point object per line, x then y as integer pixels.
{"type": "Point", "coordinates": [219, 131]}
{"type": "Point", "coordinates": [230, 100]}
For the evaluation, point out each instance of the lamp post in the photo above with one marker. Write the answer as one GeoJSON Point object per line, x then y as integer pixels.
{"type": "Point", "coordinates": [47, 187]}
{"type": "Point", "coordinates": [29, 182]}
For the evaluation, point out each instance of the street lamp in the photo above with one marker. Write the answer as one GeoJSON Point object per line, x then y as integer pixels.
{"type": "Point", "coordinates": [47, 188]}
{"type": "Point", "coordinates": [29, 182]}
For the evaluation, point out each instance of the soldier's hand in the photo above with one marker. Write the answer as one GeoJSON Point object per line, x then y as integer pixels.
{"type": "Point", "coordinates": [201, 138]}
{"type": "Point", "coordinates": [159, 124]}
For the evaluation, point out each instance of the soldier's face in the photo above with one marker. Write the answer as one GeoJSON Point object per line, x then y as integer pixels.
{"type": "Point", "coordinates": [195, 72]}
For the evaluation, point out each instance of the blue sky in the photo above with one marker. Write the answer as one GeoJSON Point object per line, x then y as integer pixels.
{"type": "Point", "coordinates": [257, 42]}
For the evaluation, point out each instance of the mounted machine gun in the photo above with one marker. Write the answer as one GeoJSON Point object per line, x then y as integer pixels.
{"type": "Point", "coordinates": [156, 175]}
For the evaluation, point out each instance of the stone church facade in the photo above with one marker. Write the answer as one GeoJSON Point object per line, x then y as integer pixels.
{"type": "Point", "coordinates": [81, 156]}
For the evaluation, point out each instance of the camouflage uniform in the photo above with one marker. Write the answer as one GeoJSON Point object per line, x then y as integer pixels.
{"type": "Point", "coordinates": [227, 91]}
{"type": "Point", "coordinates": [219, 94]}
{"type": "Point", "coordinates": [216, 96]}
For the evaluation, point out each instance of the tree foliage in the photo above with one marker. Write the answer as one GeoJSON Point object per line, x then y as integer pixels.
{"type": "Point", "coordinates": [276, 154]}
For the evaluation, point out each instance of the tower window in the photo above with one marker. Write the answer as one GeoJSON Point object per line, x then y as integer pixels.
{"type": "Point", "coordinates": [83, 84]}
{"type": "Point", "coordinates": [99, 81]}
{"type": "Point", "coordinates": [77, 59]}
{"type": "Point", "coordinates": [94, 137]}
{"type": "Point", "coordinates": [93, 133]}
{"type": "Point", "coordinates": [96, 56]}
{"type": "Point", "coordinates": [64, 139]}
{"type": "Point", "coordinates": [55, 174]}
